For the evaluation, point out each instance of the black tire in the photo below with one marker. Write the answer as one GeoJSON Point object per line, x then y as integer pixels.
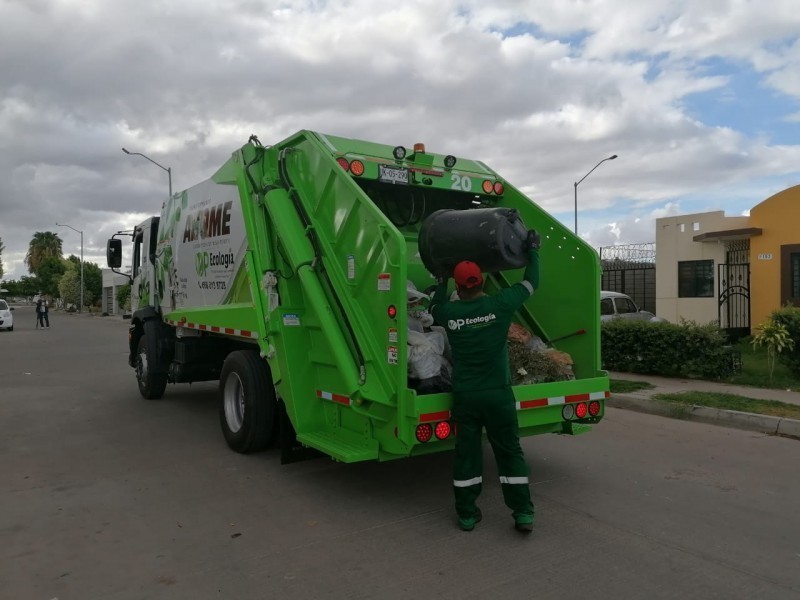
{"type": "Point", "coordinates": [247, 403]}
{"type": "Point", "coordinates": [11, 328]}
{"type": "Point", "coordinates": [151, 385]}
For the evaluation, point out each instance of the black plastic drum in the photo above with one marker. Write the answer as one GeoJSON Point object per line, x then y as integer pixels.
{"type": "Point", "coordinates": [493, 238]}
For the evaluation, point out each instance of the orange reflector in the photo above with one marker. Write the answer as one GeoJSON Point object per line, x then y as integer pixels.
{"type": "Point", "coordinates": [357, 167]}
{"type": "Point", "coordinates": [498, 188]}
{"type": "Point", "coordinates": [594, 408]}
{"type": "Point", "coordinates": [487, 186]}
{"type": "Point", "coordinates": [343, 162]}
{"type": "Point", "coordinates": [580, 410]}
{"type": "Point", "coordinates": [419, 147]}
{"type": "Point", "coordinates": [442, 430]}
{"type": "Point", "coordinates": [424, 433]}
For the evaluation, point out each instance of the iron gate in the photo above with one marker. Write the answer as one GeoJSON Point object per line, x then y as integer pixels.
{"type": "Point", "coordinates": [734, 299]}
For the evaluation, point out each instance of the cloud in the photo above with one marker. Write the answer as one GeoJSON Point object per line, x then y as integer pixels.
{"type": "Point", "coordinates": [540, 91]}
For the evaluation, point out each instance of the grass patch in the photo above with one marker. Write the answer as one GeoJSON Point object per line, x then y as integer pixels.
{"type": "Point", "coordinates": [755, 371]}
{"type": "Point", "coordinates": [733, 402]}
{"type": "Point", "coordinates": [625, 386]}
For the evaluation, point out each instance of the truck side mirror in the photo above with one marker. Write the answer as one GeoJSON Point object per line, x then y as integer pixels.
{"type": "Point", "coordinates": [114, 253]}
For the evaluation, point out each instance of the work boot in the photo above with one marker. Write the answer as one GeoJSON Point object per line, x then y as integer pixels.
{"type": "Point", "coordinates": [524, 524]}
{"type": "Point", "coordinates": [469, 523]}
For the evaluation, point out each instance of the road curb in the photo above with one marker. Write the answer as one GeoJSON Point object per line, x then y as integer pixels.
{"type": "Point", "coordinates": [703, 414]}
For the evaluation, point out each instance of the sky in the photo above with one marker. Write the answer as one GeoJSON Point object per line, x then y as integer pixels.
{"type": "Point", "coordinates": [700, 100]}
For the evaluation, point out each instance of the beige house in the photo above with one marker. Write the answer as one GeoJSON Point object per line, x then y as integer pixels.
{"type": "Point", "coordinates": [111, 283]}
{"type": "Point", "coordinates": [731, 270]}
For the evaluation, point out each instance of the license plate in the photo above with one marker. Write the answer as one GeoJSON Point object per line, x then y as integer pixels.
{"type": "Point", "coordinates": [391, 174]}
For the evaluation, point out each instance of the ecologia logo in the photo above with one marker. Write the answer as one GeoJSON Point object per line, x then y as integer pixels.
{"type": "Point", "coordinates": [203, 260]}
{"type": "Point", "coordinates": [456, 324]}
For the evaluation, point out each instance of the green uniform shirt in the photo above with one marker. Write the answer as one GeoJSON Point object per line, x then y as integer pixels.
{"type": "Point", "coordinates": [478, 331]}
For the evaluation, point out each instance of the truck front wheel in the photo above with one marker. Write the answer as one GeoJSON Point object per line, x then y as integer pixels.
{"type": "Point", "coordinates": [151, 385]}
{"type": "Point", "coordinates": [247, 402]}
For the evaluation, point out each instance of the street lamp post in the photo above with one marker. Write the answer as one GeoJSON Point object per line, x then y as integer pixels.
{"type": "Point", "coordinates": [80, 308]}
{"type": "Point", "coordinates": [167, 169]}
{"type": "Point", "coordinates": [612, 157]}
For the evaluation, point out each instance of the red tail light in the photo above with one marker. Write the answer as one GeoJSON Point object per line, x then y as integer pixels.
{"type": "Point", "coordinates": [498, 188]}
{"type": "Point", "coordinates": [580, 410]}
{"type": "Point", "coordinates": [442, 430]}
{"type": "Point", "coordinates": [488, 186]}
{"type": "Point", "coordinates": [357, 167]}
{"type": "Point", "coordinates": [343, 162]}
{"type": "Point", "coordinates": [594, 408]}
{"type": "Point", "coordinates": [424, 432]}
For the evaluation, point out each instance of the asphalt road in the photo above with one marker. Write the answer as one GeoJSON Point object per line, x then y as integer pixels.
{"type": "Point", "coordinates": [104, 495]}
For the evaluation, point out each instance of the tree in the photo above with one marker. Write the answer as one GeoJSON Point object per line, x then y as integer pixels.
{"type": "Point", "coordinates": [92, 282]}
{"type": "Point", "coordinates": [776, 338]}
{"type": "Point", "coordinates": [2, 247]}
{"type": "Point", "coordinates": [45, 244]}
{"type": "Point", "coordinates": [26, 286]}
{"type": "Point", "coordinates": [124, 297]}
{"type": "Point", "coordinates": [70, 287]}
{"type": "Point", "coordinates": [92, 279]}
{"type": "Point", "coordinates": [50, 272]}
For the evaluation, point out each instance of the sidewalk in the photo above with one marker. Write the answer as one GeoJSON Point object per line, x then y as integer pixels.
{"type": "Point", "coordinates": [668, 385]}
{"type": "Point", "coordinates": [643, 401]}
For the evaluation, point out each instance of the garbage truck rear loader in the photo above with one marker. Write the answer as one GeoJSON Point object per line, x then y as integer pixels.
{"type": "Point", "coordinates": [284, 276]}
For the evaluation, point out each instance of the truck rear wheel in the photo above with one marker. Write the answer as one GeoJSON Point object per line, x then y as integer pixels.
{"type": "Point", "coordinates": [247, 408]}
{"type": "Point", "coordinates": [151, 385]}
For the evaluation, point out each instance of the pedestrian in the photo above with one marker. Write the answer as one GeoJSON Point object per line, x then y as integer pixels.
{"type": "Point", "coordinates": [477, 328]}
{"type": "Point", "coordinates": [43, 312]}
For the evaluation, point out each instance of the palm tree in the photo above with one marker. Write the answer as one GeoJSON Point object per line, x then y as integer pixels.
{"type": "Point", "coordinates": [45, 244]}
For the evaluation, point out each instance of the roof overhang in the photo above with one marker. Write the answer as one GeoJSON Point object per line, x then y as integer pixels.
{"type": "Point", "coordinates": [728, 235]}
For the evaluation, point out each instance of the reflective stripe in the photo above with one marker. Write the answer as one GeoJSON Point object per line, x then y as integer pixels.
{"type": "Point", "coordinates": [467, 482]}
{"type": "Point", "coordinates": [528, 286]}
{"type": "Point", "coordinates": [513, 480]}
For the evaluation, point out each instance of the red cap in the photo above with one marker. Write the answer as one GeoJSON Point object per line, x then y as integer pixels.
{"type": "Point", "coordinates": [467, 274]}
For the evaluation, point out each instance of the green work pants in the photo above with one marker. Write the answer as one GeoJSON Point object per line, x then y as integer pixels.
{"type": "Point", "coordinates": [496, 411]}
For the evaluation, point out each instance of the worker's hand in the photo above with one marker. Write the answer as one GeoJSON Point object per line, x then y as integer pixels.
{"type": "Point", "coordinates": [534, 240]}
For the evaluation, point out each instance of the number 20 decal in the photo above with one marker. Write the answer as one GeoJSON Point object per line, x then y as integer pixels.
{"type": "Point", "coordinates": [460, 182]}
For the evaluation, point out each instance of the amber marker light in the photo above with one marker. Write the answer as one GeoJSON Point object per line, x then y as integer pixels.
{"type": "Point", "coordinates": [357, 167]}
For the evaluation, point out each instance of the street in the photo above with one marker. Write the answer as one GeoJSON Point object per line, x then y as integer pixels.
{"type": "Point", "coordinates": [107, 496]}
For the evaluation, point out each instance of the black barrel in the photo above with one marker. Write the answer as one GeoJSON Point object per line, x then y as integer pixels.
{"type": "Point", "coordinates": [493, 238]}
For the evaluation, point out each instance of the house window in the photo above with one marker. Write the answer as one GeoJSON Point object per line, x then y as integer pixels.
{"type": "Point", "coordinates": [696, 279]}
{"type": "Point", "coordinates": [795, 274]}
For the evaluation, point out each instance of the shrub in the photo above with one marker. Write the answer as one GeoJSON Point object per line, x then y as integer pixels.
{"type": "Point", "coordinates": [673, 350]}
{"type": "Point", "coordinates": [789, 317]}
{"type": "Point", "coordinates": [776, 338]}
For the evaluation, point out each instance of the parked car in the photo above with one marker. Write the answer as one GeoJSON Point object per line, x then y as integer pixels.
{"type": "Point", "coordinates": [615, 305]}
{"type": "Point", "coordinates": [6, 318]}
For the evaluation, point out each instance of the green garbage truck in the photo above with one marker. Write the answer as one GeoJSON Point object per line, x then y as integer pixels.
{"type": "Point", "coordinates": [285, 275]}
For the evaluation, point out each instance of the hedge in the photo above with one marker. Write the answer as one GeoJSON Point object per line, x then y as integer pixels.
{"type": "Point", "coordinates": [672, 350]}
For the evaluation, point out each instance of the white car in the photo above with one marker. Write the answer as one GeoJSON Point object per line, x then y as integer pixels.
{"type": "Point", "coordinates": [6, 318]}
{"type": "Point", "coordinates": [614, 305]}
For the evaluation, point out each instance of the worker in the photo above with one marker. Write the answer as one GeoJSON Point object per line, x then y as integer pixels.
{"type": "Point", "coordinates": [477, 328]}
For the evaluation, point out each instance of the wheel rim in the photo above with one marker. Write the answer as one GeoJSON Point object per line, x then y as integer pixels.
{"type": "Point", "coordinates": [233, 398]}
